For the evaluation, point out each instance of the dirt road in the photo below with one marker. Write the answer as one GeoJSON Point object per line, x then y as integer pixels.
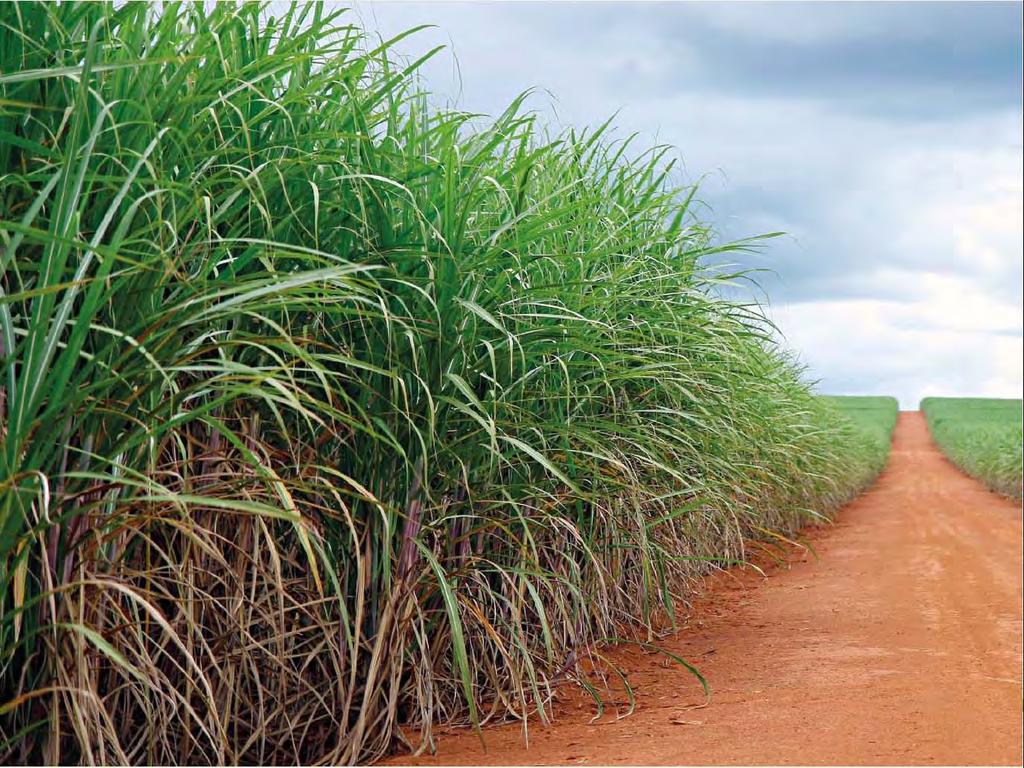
{"type": "Point", "coordinates": [900, 645]}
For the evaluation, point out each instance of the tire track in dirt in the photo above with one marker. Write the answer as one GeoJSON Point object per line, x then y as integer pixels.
{"type": "Point", "coordinates": [901, 644]}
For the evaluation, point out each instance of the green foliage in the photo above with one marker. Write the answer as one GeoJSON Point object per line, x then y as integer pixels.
{"type": "Point", "coordinates": [982, 436]}
{"type": "Point", "coordinates": [323, 411]}
{"type": "Point", "coordinates": [873, 419]}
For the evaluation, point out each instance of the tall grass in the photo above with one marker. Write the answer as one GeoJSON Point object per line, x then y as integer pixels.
{"type": "Point", "coordinates": [982, 436]}
{"type": "Point", "coordinates": [324, 411]}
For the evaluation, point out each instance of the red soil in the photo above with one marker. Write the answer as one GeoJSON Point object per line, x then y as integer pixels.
{"type": "Point", "coordinates": [900, 645]}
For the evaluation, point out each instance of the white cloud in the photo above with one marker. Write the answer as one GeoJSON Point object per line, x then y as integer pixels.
{"type": "Point", "coordinates": [940, 345]}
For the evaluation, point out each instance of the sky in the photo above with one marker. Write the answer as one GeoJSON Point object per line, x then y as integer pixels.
{"type": "Point", "coordinates": [883, 138]}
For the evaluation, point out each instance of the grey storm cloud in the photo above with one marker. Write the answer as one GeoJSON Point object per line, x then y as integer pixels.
{"type": "Point", "coordinates": [884, 139]}
{"type": "Point", "coordinates": [940, 60]}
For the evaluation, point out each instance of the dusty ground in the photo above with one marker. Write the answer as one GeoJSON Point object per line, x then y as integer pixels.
{"type": "Point", "coordinates": [901, 645]}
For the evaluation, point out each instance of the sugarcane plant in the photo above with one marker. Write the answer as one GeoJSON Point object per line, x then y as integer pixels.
{"type": "Point", "coordinates": [325, 411]}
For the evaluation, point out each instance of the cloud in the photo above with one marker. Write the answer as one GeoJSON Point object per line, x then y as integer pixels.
{"type": "Point", "coordinates": [909, 349]}
{"type": "Point", "coordinates": [859, 200]}
{"type": "Point", "coordinates": [813, 24]}
{"type": "Point", "coordinates": [891, 59]}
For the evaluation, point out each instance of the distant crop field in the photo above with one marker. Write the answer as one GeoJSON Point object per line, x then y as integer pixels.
{"type": "Point", "coordinates": [982, 436]}
{"type": "Point", "coordinates": [873, 420]}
